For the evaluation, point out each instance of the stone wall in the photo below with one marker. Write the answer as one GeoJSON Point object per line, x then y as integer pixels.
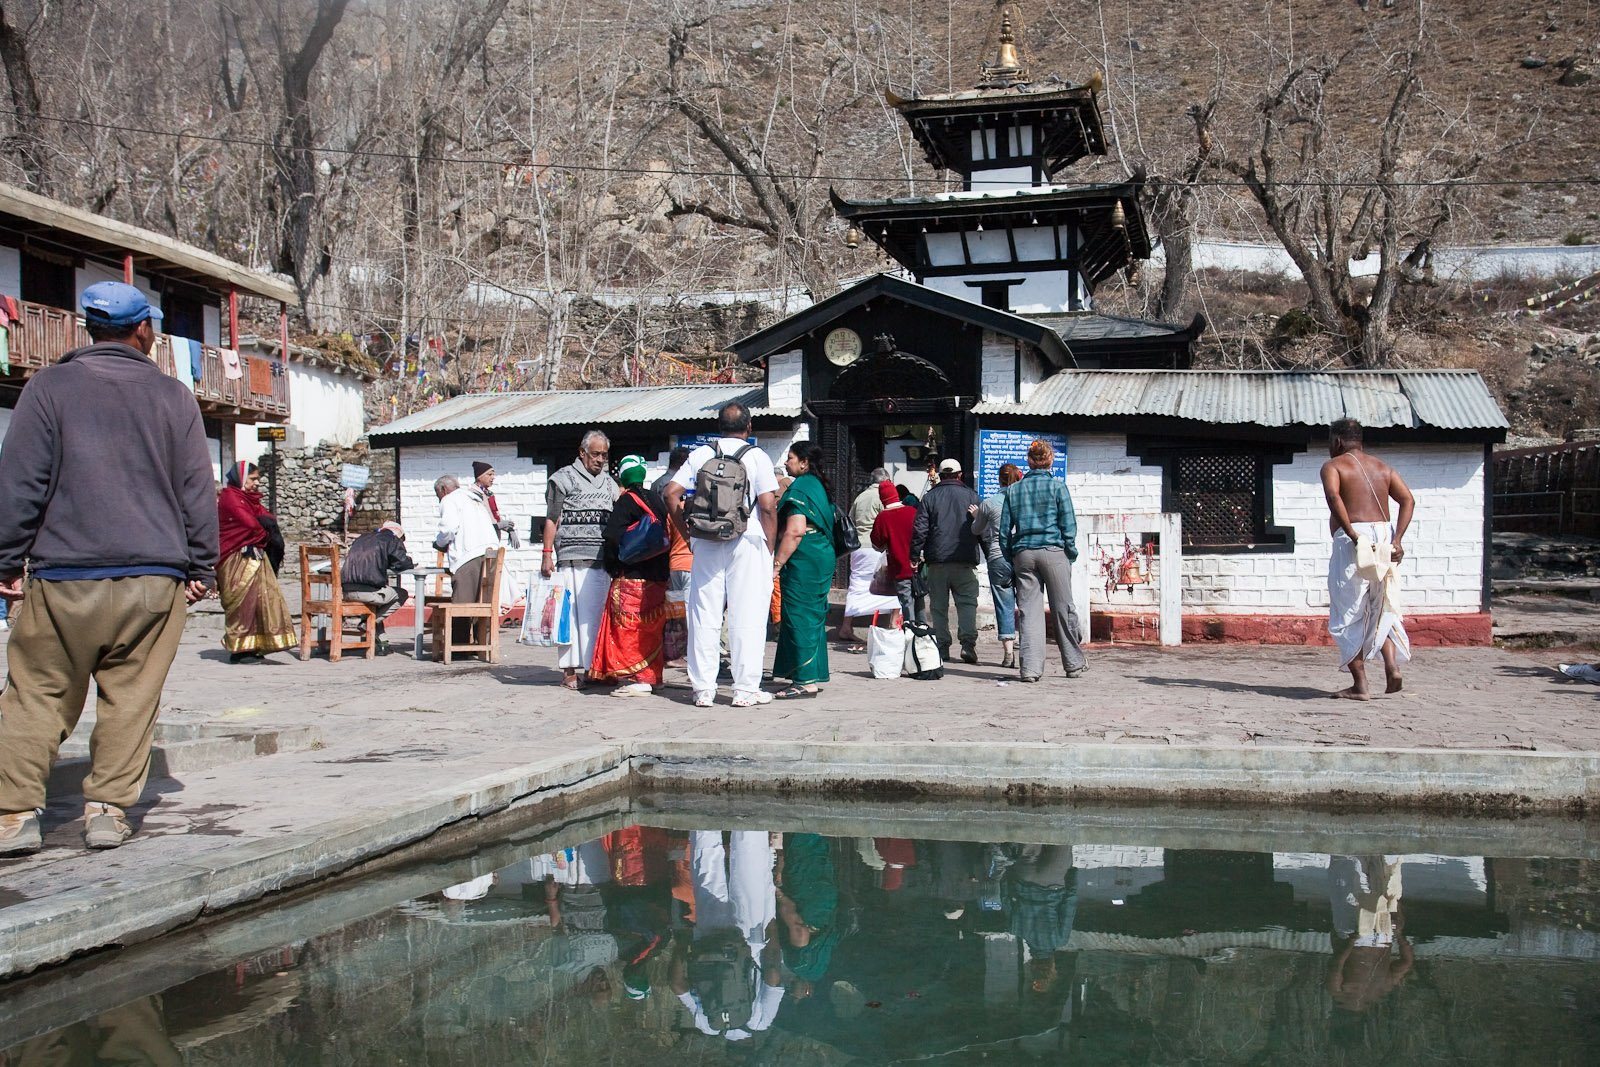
{"type": "Point", "coordinates": [309, 497]}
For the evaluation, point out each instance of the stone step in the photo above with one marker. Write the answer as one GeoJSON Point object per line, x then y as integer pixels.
{"type": "Point", "coordinates": [184, 748]}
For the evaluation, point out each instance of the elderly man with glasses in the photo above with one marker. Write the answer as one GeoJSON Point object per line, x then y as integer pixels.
{"type": "Point", "coordinates": [578, 500]}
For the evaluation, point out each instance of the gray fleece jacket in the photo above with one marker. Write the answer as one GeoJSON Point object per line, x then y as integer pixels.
{"type": "Point", "coordinates": [106, 465]}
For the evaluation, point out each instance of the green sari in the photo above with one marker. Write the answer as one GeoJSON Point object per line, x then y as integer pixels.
{"type": "Point", "coordinates": [802, 655]}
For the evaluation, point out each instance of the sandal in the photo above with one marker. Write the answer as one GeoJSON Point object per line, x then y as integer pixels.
{"type": "Point", "coordinates": [855, 648]}
{"type": "Point", "coordinates": [796, 692]}
{"type": "Point", "coordinates": [574, 683]}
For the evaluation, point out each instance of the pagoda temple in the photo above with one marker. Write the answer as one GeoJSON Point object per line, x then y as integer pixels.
{"type": "Point", "coordinates": [1199, 503]}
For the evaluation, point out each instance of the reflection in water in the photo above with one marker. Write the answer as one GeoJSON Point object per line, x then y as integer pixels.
{"type": "Point", "coordinates": [654, 946]}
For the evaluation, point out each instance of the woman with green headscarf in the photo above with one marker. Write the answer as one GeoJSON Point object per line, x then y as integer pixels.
{"type": "Point", "coordinates": [629, 647]}
{"type": "Point", "coordinates": [804, 561]}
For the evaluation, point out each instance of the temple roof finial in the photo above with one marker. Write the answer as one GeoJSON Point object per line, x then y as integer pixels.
{"type": "Point", "coordinates": [1007, 69]}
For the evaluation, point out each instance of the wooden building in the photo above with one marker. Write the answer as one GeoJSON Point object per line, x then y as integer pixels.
{"type": "Point", "coordinates": [50, 252]}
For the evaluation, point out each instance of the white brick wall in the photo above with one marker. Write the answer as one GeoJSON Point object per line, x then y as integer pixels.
{"type": "Point", "coordinates": [518, 490]}
{"type": "Point", "coordinates": [784, 388]}
{"type": "Point", "coordinates": [999, 368]}
{"type": "Point", "coordinates": [1034, 370]}
{"type": "Point", "coordinates": [1444, 547]}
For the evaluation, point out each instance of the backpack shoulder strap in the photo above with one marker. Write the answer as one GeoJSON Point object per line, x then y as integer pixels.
{"type": "Point", "coordinates": [639, 499]}
{"type": "Point", "coordinates": [739, 455]}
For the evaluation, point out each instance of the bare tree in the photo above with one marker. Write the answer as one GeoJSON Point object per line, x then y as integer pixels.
{"type": "Point", "coordinates": [1328, 205]}
{"type": "Point", "coordinates": [30, 142]}
{"type": "Point", "coordinates": [783, 198]}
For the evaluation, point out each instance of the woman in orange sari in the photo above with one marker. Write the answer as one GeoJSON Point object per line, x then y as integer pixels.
{"type": "Point", "coordinates": [629, 647]}
{"type": "Point", "coordinates": [247, 581]}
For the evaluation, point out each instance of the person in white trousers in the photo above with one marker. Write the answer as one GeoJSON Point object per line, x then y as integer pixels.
{"type": "Point", "coordinates": [730, 580]}
{"type": "Point", "coordinates": [578, 500]}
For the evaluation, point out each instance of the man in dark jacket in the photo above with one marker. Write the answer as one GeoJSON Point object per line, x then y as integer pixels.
{"type": "Point", "coordinates": [111, 512]}
{"type": "Point", "coordinates": [368, 564]}
{"type": "Point", "coordinates": [943, 540]}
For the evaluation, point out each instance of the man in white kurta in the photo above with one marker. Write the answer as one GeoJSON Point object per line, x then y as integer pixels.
{"type": "Point", "coordinates": [466, 532]}
{"type": "Point", "coordinates": [734, 889]}
{"type": "Point", "coordinates": [578, 500]}
{"type": "Point", "coordinates": [730, 581]}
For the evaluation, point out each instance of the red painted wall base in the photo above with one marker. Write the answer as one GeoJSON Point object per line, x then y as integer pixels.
{"type": "Point", "coordinates": [1425, 631]}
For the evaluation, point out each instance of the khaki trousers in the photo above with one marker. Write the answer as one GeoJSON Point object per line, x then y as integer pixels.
{"type": "Point", "coordinates": [122, 633]}
{"type": "Point", "coordinates": [1041, 573]}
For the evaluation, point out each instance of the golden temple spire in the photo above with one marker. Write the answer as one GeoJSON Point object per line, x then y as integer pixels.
{"type": "Point", "coordinates": [1007, 69]}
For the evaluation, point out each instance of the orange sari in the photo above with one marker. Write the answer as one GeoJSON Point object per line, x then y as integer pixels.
{"type": "Point", "coordinates": [629, 645]}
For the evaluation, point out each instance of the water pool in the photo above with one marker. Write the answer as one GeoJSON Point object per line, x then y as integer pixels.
{"type": "Point", "coordinates": [950, 941]}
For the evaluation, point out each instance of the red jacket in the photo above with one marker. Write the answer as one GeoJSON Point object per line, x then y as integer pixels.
{"type": "Point", "coordinates": [891, 533]}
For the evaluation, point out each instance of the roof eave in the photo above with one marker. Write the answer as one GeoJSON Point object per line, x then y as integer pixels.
{"type": "Point", "coordinates": [157, 248]}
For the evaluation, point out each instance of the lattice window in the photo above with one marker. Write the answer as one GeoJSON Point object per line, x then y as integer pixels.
{"type": "Point", "coordinates": [1220, 498]}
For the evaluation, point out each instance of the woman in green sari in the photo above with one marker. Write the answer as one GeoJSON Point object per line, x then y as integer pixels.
{"type": "Point", "coordinates": [804, 562]}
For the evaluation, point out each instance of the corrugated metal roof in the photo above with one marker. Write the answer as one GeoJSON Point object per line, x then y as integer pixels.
{"type": "Point", "coordinates": [1444, 400]}
{"type": "Point", "coordinates": [574, 407]}
{"type": "Point", "coordinates": [1088, 326]}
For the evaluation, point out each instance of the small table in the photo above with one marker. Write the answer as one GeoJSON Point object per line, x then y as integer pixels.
{"type": "Point", "coordinates": [420, 576]}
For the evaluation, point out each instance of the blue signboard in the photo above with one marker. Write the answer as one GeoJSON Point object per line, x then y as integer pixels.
{"type": "Point", "coordinates": [693, 441]}
{"type": "Point", "coordinates": [997, 447]}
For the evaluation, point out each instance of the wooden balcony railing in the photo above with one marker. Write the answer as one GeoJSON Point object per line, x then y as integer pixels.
{"type": "Point", "coordinates": [260, 393]}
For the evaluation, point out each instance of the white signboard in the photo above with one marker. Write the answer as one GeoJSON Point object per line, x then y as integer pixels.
{"type": "Point", "coordinates": [354, 477]}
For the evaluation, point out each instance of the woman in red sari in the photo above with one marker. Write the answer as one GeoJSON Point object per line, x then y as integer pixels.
{"type": "Point", "coordinates": [258, 619]}
{"type": "Point", "coordinates": [630, 647]}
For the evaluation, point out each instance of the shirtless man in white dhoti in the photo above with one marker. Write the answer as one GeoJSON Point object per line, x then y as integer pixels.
{"type": "Point", "coordinates": [1361, 615]}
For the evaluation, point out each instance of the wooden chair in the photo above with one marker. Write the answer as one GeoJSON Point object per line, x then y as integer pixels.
{"type": "Point", "coordinates": [483, 612]}
{"type": "Point", "coordinates": [322, 593]}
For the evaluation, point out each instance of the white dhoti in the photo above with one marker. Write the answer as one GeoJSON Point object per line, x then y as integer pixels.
{"type": "Point", "coordinates": [589, 586]}
{"type": "Point", "coordinates": [1364, 895]}
{"type": "Point", "coordinates": [733, 885]}
{"type": "Point", "coordinates": [1363, 597]}
{"type": "Point", "coordinates": [860, 600]}
{"type": "Point", "coordinates": [731, 579]}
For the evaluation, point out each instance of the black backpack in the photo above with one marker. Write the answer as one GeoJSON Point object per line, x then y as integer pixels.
{"type": "Point", "coordinates": [720, 507]}
{"type": "Point", "coordinates": [723, 977]}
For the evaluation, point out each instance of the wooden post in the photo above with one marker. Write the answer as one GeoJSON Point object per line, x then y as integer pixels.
{"type": "Point", "coordinates": [127, 268]}
{"type": "Point", "coordinates": [233, 318]}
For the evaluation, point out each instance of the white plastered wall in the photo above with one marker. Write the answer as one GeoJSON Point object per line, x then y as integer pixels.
{"type": "Point", "coordinates": [518, 489]}
{"type": "Point", "coordinates": [323, 406]}
{"type": "Point", "coordinates": [1443, 573]}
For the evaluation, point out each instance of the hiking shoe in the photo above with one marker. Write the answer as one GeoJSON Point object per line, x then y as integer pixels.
{"type": "Point", "coordinates": [632, 689]}
{"type": "Point", "coordinates": [1030, 678]}
{"type": "Point", "coordinates": [969, 655]}
{"type": "Point", "coordinates": [104, 825]}
{"type": "Point", "coordinates": [1078, 671]}
{"type": "Point", "coordinates": [705, 699]}
{"type": "Point", "coordinates": [19, 833]}
{"type": "Point", "coordinates": [751, 700]}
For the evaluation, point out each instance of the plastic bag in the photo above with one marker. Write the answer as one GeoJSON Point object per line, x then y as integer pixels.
{"type": "Point", "coordinates": [886, 650]}
{"type": "Point", "coordinates": [547, 615]}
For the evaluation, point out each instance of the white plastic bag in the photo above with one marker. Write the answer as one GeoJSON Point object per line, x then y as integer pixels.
{"type": "Point", "coordinates": [547, 616]}
{"type": "Point", "coordinates": [886, 649]}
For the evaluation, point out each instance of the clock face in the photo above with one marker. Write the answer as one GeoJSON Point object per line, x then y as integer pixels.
{"type": "Point", "coordinates": [842, 347]}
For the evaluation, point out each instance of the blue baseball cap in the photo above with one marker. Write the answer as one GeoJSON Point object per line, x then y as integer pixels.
{"type": "Point", "coordinates": [116, 304]}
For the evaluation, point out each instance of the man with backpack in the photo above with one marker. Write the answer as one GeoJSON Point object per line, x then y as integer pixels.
{"type": "Point", "coordinates": [732, 525]}
{"type": "Point", "coordinates": [717, 975]}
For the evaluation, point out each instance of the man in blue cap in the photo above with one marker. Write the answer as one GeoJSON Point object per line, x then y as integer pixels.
{"type": "Point", "coordinates": [110, 530]}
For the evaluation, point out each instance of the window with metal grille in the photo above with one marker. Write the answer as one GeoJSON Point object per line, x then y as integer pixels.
{"type": "Point", "coordinates": [1219, 496]}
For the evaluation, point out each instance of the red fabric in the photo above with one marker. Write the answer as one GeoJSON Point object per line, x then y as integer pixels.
{"type": "Point", "coordinates": [238, 525]}
{"type": "Point", "coordinates": [638, 855]}
{"type": "Point", "coordinates": [629, 645]}
{"type": "Point", "coordinates": [891, 533]}
{"type": "Point", "coordinates": [494, 509]}
{"type": "Point", "coordinates": [898, 853]}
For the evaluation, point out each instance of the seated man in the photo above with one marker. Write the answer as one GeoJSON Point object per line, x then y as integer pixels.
{"type": "Point", "coordinates": [368, 564]}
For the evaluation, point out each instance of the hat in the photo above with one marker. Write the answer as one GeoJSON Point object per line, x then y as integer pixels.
{"type": "Point", "coordinates": [480, 468]}
{"type": "Point", "coordinates": [887, 493]}
{"type": "Point", "coordinates": [116, 304]}
{"type": "Point", "coordinates": [630, 471]}
{"type": "Point", "coordinates": [950, 466]}
{"type": "Point", "coordinates": [635, 981]}
{"type": "Point", "coordinates": [394, 528]}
